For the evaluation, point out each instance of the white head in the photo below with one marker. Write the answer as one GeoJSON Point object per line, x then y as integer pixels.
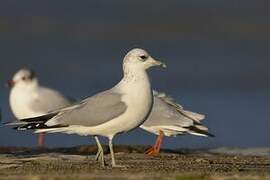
{"type": "Point", "coordinates": [23, 76]}
{"type": "Point", "coordinates": [141, 59]}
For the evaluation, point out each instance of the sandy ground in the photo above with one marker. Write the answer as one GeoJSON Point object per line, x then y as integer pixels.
{"type": "Point", "coordinates": [79, 163]}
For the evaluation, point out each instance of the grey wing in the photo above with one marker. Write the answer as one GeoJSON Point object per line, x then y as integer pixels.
{"type": "Point", "coordinates": [167, 112]}
{"type": "Point", "coordinates": [47, 100]}
{"type": "Point", "coordinates": [92, 111]}
{"type": "Point", "coordinates": [171, 102]}
{"type": "Point", "coordinates": [163, 114]}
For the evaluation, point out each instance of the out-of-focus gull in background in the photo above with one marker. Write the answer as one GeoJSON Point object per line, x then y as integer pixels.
{"type": "Point", "coordinates": [170, 119]}
{"type": "Point", "coordinates": [29, 99]}
{"type": "Point", "coordinates": [108, 113]}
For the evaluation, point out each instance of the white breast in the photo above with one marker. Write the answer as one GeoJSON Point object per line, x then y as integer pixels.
{"type": "Point", "coordinates": [19, 99]}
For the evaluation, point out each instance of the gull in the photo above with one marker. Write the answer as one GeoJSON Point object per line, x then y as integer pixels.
{"type": "Point", "coordinates": [29, 99]}
{"type": "Point", "coordinates": [168, 118]}
{"type": "Point", "coordinates": [117, 110]}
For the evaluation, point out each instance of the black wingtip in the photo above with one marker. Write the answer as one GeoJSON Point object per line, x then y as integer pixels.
{"type": "Point", "coordinates": [18, 128]}
{"type": "Point", "coordinates": [211, 135]}
{"type": "Point", "coordinates": [200, 131]}
{"type": "Point", "coordinates": [15, 128]}
{"type": "Point", "coordinates": [36, 126]}
{"type": "Point", "coordinates": [43, 118]}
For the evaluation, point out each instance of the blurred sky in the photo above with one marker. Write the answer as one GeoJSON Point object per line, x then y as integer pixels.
{"type": "Point", "coordinates": [217, 52]}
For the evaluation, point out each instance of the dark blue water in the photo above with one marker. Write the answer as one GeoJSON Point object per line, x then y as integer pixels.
{"type": "Point", "coordinates": [217, 55]}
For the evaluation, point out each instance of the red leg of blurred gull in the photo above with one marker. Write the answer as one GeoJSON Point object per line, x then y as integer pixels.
{"type": "Point", "coordinates": [41, 140]}
{"type": "Point", "coordinates": [156, 148]}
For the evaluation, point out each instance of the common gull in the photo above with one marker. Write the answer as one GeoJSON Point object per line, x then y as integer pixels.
{"type": "Point", "coordinates": [169, 118]}
{"type": "Point", "coordinates": [108, 113]}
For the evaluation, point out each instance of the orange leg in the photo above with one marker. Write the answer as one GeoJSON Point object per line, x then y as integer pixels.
{"type": "Point", "coordinates": [41, 140]}
{"type": "Point", "coordinates": [161, 136]}
{"type": "Point", "coordinates": [156, 148]}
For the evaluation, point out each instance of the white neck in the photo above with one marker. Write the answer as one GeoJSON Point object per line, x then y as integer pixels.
{"type": "Point", "coordinates": [135, 77]}
{"type": "Point", "coordinates": [27, 86]}
{"type": "Point", "coordinates": [20, 96]}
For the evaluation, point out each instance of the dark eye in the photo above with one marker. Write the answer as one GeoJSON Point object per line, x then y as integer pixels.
{"type": "Point", "coordinates": [24, 78]}
{"type": "Point", "coordinates": [143, 57]}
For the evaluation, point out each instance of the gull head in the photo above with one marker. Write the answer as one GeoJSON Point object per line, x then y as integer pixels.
{"type": "Point", "coordinates": [141, 59]}
{"type": "Point", "coordinates": [23, 76]}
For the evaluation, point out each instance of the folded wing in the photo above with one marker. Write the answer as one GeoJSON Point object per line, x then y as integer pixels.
{"type": "Point", "coordinates": [92, 111]}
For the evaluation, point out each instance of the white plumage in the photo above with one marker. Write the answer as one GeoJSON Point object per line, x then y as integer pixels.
{"type": "Point", "coordinates": [29, 99]}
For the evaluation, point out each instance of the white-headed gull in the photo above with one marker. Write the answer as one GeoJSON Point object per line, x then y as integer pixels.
{"type": "Point", "coordinates": [168, 118]}
{"type": "Point", "coordinates": [29, 99]}
{"type": "Point", "coordinates": [108, 113]}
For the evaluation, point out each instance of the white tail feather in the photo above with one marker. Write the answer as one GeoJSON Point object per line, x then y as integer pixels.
{"type": "Point", "coordinates": [201, 127]}
{"type": "Point", "coordinates": [195, 116]}
{"type": "Point", "coordinates": [197, 134]}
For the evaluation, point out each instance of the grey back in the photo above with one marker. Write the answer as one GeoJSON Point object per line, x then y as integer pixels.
{"type": "Point", "coordinates": [92, 111]}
